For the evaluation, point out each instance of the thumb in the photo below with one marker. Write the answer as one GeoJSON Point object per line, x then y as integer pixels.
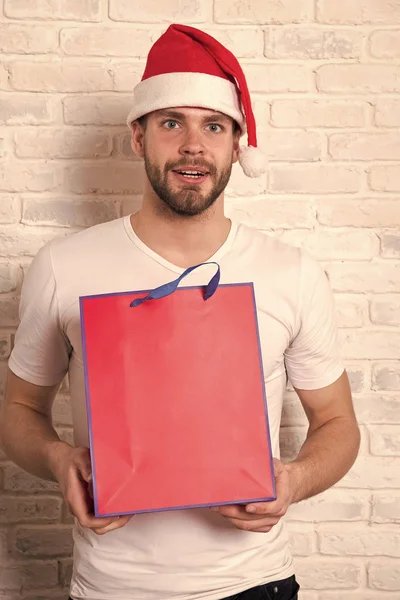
{"type": "Point", "coordinates": [84, 466]}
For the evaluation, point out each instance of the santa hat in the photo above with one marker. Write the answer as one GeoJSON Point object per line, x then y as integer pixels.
{"type": "Point", "coordinates": [187, 67]}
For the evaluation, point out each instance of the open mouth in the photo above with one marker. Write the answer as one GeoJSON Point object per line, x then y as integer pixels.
{"type": "Point", "coordinates": [191, 174]}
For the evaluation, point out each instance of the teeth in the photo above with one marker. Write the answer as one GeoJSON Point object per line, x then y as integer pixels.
{"type": "Point", "coordinates": [191, 173]}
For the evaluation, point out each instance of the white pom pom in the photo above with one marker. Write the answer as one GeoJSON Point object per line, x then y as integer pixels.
{"type": "Point", "coordinates": [252, 161]}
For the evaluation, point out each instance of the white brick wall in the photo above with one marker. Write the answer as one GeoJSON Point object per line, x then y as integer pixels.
{"type": "Point", "coordinates": [325, 78]}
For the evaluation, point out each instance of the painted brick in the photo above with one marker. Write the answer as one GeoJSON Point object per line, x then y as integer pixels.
{"type": "Point", "coordinates": [290, 441]}
{"type": "Point", "coordinates": [385, 440]}
{"type": "Point", "coordinates": [26, 176]}
{"type": "Point", "coordinates": [327, 574]}
{"type": "Point", "coordinates": [126, 76]}
{"type": "Point", "coordinates": [8, 278]}
{"type": "Point", "coordinates": [243, 42]}
{"type": "Point", "coordinates": [390, 244]}
{"type": "Point", "coordinates": [359, 277]}
{"type": "Point", "coordinates": [386, 507]}
{"type": "Point", "coordinates": [358, 213]}
{"type": "Point", "coordinates": [376, 408]}
{"type": "Point", "coordinates": [385, 44]}
{"type": "Point", "coordinates": [372, 472]}
{"type": "Point", "coordinates": [9, 312]}
{"type": "Point", "coordinates": [52, 541]}
{"type": "Point", "coordinates": [26, 241]}
{"type": "Point", "coordinates": [312, 43]}
{"type": "Point", "coordinates": [302, 541]}
{"type": "Point", "coordinates": [359, 12]}
{"type": "Point", "coordinates": [65, 571]}
{"type": "Point", "coordinates": [385, 178]}
{"type": "Point", "coordinates": [386, 376]}
{"type": "Point", "coordinates": [385, 310]}
{"type": "Point", "coordinates": [26, 109]}
{"type": "Point", "coordinates": [263, 11]}
{"type": "Point", "coordinates": [67, 75]}
{"type": "Point", "coordinates": [29, 575]}
{"type": "Point", "coordinates": [181, 11]}
{"type": "Point", "coordinates": [5, 350]}
{"type": "Point", "coordinates": [69, 212]}
{"type": "Point", "coordinates": [387, 113]}
{"type": "Point", "coordinates": [292, 145]}
{"type": "Point", "coordinates": [356, 378]}
{"type": "Point", "coordinates": [75, 10]}
{"type": "Point", "coordinates": [109, 178]}
{"type": "Point", "coordinates": [369, 344]}
{"type": "Point", "coordinates": [314, 179]}
{"type": "Point", "coordinates": [107, 41]}
{"type": "Point", "coordinates": [10, 208]}
{"type": "Point", "coordinates": [310, 112]}
{"type": "Point", "coordinates": [23, 39]}
{"type": "Point", "coordinates": [97, 109]}
{"type": "Point", "coordinates": [265, 78]}
{"type": "Point", "coordinates": [17, 480]}
{"type": "Point", "coordinates": [62, 410]}
{"type": "Point", "coordinates": [62, 143]}
{"type": "Point", "coordinates": [293, 413]}
{"type": "Point", "coordinates": [359, 540]}
{"type": "Point", "coordinates": [15, 509]}
{"type": "Point", "coordinates": [240, 185]}
{"type": "Point", "coordinates": [328, 244]}
{"type": "Point", "coordinates": [384, 575]}
{"type": "Point", "coordinates": [351, 310]}
{"type": "Point", "coordinates": [361, 79]}
{"type": "Point", "coordinates": [364, 146]}
{"type": "Point", "coordinates": [269, 213]}
{"type": "Point", "coordinates": [332, 505]}
{"type": "Point", "coordinates": [4, 76]}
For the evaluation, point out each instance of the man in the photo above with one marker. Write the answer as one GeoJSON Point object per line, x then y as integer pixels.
{"type": "Point", "coordinates": [189, 112]}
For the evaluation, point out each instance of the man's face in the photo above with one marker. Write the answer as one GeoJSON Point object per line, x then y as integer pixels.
{"type": "Point", "coordinates": [188, 155]}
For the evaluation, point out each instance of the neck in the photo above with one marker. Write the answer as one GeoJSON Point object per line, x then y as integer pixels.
{"type": "Point", "coordinates": [183, 241]}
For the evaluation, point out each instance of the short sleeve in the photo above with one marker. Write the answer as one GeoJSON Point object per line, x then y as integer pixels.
{"type": "Point", "coordinates": [313, 359]}
{"type": "Point", "coordinates": [41, 351]}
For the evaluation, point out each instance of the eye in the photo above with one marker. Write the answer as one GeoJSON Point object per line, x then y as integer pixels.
{"type": "Point", "coordinates": [170, 124]}
{"type": "Point", "coordinates": [215, 127]}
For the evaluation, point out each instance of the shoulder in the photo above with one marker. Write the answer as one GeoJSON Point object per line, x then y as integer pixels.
{"type": "Point", "coordinates": [267, 250]}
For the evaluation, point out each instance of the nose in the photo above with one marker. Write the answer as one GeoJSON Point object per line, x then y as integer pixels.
{"type": "Point", "coordinates": [192, 144]}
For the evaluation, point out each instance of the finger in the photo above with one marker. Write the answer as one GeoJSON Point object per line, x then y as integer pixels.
{"type": "Point", "coordinates": [78, 502]}
{"type": "Point", "coordinates": [266, 508]}
{"type": "Point", "coordinates": [117, 524]}
{"type": "Point", "coordinates": [240, 512]}
{"type": "Point", "coordinates": [261, 525]}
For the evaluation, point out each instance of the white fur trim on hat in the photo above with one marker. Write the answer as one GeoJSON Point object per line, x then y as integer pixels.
{"type": "Point", "coordinates": [252, 161]}
{"type": "Point", "coordinates": [201, 90]}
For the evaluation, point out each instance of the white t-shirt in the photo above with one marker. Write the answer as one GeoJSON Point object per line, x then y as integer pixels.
{"type": "Point", "coordinates": [183, 554]}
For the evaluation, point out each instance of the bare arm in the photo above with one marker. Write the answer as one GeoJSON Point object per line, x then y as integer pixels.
{"type": "Point", "coordinates": [332, 442]}
{"type": "Point", "coordinates": [29, 439]}
{"type": "Point", "coordinates": [26, 432]}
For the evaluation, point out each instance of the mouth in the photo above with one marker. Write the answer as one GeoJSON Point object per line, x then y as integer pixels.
{"type": "Point", "coordinates": [193, 175]}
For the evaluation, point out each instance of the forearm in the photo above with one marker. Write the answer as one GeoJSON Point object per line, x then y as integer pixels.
{"type": "Point", "coordinates": [325, 457]}
{"type": "Point", "coordinates": [29, 439]}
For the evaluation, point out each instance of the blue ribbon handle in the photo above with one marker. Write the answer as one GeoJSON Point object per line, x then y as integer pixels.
{"type": "Point", "coordinates": [169, 288]}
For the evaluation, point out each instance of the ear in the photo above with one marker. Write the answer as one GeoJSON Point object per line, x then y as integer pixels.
{"type": "Point", "coordinates": [137, 139]}
{"type": "Point", "coordinates": [236, 146]}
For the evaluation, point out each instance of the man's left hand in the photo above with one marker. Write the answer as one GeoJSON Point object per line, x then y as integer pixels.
{"type": "Point", "coordinates": [260, 517]}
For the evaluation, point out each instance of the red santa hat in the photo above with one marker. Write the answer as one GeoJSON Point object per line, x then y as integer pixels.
{"type": "Point", "coordinates": [187, 67]}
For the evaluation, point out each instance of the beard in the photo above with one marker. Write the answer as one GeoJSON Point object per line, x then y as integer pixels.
{"type": "Point", "coordinates": [190, 201]}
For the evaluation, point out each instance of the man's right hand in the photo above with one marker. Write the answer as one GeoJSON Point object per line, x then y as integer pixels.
{"type": "Point", "coordinates": [72, 469]}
